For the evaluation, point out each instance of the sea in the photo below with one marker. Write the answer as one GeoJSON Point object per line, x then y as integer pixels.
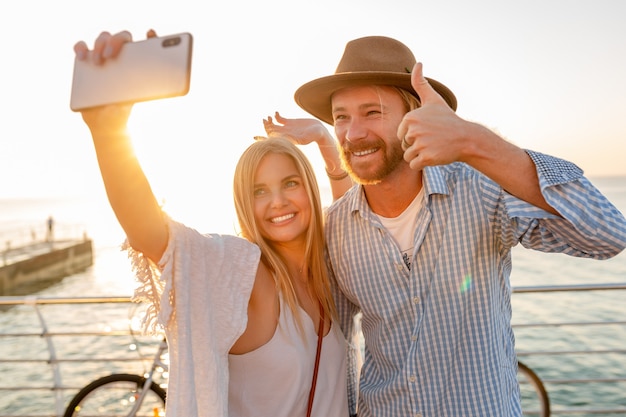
{"type": "Point", "coordinates": [552, 329]}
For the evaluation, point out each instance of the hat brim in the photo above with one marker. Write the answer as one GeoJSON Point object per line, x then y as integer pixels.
{"type": "Point", "coordinates": [314, 96]}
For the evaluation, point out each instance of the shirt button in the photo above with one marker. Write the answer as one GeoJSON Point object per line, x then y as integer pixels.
{"type": "Point", "coordinates": [399, 267]}
{"type": "Point", "coordinates": [412, 378]}
{"type": "Point", "coordinates": [416, 300]}
{"type": "Point", "coordinates": [413, 338]}
{"type": "Point", "coordinates": [418, 415]}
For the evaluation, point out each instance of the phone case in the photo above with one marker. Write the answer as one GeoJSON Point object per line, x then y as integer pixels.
{"type": "Point", "coordinates": [151, 69]}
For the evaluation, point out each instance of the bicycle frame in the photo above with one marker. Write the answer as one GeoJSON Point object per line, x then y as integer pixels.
{"type": "Point", "coordinates": [157, 362]}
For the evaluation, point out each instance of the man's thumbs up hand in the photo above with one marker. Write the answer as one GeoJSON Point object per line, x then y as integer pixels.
{"type": "Point", "coordinates": [431, 134]}
{"type": "Point", "coordinates": [424, 90]}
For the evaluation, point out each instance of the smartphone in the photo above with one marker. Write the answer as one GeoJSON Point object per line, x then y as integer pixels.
{"type": "Point", "coordinates": [150, 69]}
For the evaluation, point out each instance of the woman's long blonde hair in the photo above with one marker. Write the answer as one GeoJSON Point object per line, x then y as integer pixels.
{"type": "Point", "coordinates": [243, 189]}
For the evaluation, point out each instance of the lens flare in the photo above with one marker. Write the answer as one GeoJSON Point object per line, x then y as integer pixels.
{"type": "Point", "coordinates": [466, 284]}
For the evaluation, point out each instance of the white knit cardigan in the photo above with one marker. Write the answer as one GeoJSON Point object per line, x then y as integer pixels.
{"type": "Point", "coordinates": [198, 293]}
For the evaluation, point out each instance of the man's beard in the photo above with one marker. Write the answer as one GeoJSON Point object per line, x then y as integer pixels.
{"type": "Point", "coordinates": [393, 156]}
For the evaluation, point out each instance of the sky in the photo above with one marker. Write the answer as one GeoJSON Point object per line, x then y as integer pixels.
{"type": "Point", "coordinates": [548, 75]}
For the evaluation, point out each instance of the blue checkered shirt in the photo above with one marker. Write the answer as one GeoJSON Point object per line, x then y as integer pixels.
{"type": "Point", "coordinates": [438, 337]}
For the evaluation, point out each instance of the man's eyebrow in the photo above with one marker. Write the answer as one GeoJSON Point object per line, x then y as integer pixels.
{"type": "Point", "coordinates": [363, 106]}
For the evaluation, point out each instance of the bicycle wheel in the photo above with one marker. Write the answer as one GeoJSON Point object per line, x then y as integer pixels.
{"type": "Point", "coordinates": [535, 400]}
{"type": "Point", "coordinates": [115, 395]}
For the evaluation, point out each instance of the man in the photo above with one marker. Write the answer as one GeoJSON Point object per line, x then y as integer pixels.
{"type": "Point", "coordinates": [422, 247]}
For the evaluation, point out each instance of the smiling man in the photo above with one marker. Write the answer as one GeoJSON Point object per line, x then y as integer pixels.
{"type": "Point", "coordinates": [422, 246]}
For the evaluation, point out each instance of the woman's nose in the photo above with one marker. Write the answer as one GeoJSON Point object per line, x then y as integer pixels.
{"type": "Point", "coordinates": [278, 199]}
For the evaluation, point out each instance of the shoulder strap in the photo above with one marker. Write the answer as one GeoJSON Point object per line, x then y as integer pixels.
{"type": "Point", "coordinates": [320, 337]}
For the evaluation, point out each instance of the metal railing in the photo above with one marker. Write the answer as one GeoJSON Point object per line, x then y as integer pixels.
{"type": "Point", "coordinates": [88, 360]}
{"type": "Point", "coordinates": [45, 378]}
{"type": "Point", "coordinates": [22, 235]}
{"type": "Point", "coordinates": [582, 361]}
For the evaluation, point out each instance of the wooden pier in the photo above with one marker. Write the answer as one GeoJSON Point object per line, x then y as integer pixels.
{"type": "Point", "coordinates": [41, 263]}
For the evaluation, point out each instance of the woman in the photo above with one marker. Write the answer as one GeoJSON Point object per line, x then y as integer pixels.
{"type": "Point", "coordinates": [242, 314]}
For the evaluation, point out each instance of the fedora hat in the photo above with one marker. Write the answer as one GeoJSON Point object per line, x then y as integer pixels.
{"type": "Point", "coordinates": [372, 60]}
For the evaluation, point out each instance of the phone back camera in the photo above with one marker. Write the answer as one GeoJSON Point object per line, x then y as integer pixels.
{"type": "Point", "coordinates": [171, 41]}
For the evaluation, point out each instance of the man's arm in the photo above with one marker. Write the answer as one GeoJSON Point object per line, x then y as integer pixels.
{"type": "Point", "coordinates": [305, 131]}
{"type": "Point", "coordinates": [436, 135]}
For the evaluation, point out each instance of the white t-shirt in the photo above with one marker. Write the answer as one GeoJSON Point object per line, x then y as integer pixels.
{"type": "Point", "coordinates": [402, 228]}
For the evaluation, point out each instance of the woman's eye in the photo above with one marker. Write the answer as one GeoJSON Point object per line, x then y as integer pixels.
{"type": "Point", "coordinates": [258, 192]}
{"type": "Point", "coordinates": [291, 184]}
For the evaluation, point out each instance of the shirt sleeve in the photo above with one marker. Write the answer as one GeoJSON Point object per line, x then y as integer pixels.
{"type": "Point", "coordinates": [590, 225]}
{"type": "Point", "coordinates": [219, 269]}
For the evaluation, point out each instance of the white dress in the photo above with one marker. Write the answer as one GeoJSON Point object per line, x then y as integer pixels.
{"type": "Point", "coordinates": [275, 379]}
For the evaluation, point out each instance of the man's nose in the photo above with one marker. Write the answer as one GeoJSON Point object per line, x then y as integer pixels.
{"type": "Point", "coordinates": [355, 131]}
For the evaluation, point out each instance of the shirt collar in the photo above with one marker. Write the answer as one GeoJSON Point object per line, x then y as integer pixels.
{"type": "Point", "coordinates": [433, 178]}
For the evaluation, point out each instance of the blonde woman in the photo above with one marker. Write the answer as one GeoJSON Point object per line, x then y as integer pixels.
{"type": "Point", "coordinates": [242, 314]}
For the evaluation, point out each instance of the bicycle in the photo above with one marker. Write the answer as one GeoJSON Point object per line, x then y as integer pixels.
{"type": "Point", "coordinates": [533, 394]}
{"type": "Point", "coordinates": [123, 394]}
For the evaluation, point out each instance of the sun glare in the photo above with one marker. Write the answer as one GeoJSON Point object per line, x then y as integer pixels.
{"type": "Point", "coordinates": [191, 179]}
